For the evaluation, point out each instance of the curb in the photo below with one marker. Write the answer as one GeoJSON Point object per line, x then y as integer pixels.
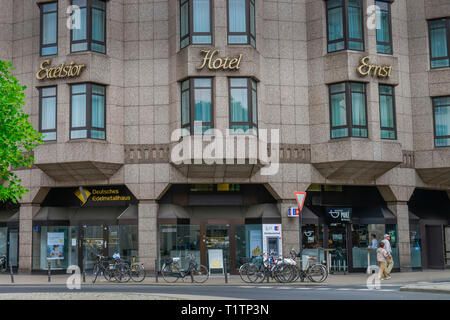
{"type": "Point", "coordinates": [425, 290]}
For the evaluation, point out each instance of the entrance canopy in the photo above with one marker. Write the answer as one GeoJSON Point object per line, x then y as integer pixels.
{"type": "Point", "coordinates": [79, 214]}
{"type": "Point", "coordinates": [373, 215]}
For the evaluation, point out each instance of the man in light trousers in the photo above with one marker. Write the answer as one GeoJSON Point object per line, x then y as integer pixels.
{"type": "Point", "coordinates": [387, 247]}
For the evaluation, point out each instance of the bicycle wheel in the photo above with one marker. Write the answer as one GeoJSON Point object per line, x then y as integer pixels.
{"type": "Point", "coordinates": [283, 273]}
{"type": "Point", "coordinates": [137, 273]}
{"type": "Point", "coordinates": [108, 273]}
{"type": "Point", "coordinates": [122, 272]}
{"type": "Point", "coordinates": [316, 273]}
{"type": "Point", "coordinates": [243, 272]}
{"type": "Point", "coordinates": [201, 274]}
{"type": "Point", "coordinates": [170, 273]}
{"type": "Point", "coordinates": [256, 274]}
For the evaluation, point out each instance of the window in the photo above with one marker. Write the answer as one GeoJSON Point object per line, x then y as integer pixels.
{"type": "Point", "coordinates": [384, 27]}
{"type": "Point", "coordinates": [47, 113]}
{"type": "Point", "coordinates": [243, 105]}
{"type": "Point", "coordinates": [195, 22]}
{"type": "Point", "coordinates": [241, 22]}
{"type": "Point", "coordinates": [92, 32]}
{"type": "Point", "coordinates": [49, 28]}
{"type": "Point", "coordinates": [387, 112]}
{"type": "Point", "coordinates": [441, 112]}
{"type": "Point", "coordinates": [439, 42]}
{"type": "Point", "coordinates": [196, 105]}
{"type": "Point", "coordinates": [348, 110]}
{"type": "Point", "coordinates": [87, 111]}
{"type": "Point", "coordinates": [345, 25]}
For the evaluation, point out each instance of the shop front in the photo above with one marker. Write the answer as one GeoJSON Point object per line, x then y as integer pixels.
{"type": "Point", "coordinates": [74, 225]}
{"type": "Point", "coordinates": [221, 234]}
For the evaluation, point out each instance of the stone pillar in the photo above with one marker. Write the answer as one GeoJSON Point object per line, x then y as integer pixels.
{"type": "Point", "coordinates": [148, 233]}
{"type": "Point", "coordinates": [26, 213]}
{"type": "Point", "coordinates": [289, 227]}
{"type": "Point", "coordinates": [401, 211]}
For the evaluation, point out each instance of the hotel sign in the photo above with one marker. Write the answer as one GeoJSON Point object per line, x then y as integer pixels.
{"type": "Point", "coordinates": [366, 69]}
{"type": "Point", "coordinates": [62, 71]}
{"type": "Point", "coordinates": [212, 63]}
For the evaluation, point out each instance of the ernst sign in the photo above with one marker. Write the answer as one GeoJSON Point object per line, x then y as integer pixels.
{"type": "Point", "coordinates": [226, 63]}
{"type": "Point", "coordinates": [58, 72]}
{"type": "Point", "coordinates": [366, 69]}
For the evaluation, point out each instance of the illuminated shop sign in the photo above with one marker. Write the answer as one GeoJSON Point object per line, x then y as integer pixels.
{"type": "Point", "coordinates": [62, 71]}
{"type": "Point", "coordinates": [339, 215]}
{"type": "Point", "coordinates": [366, 69]}
{"type": "Point", "coordinates": [212, 63]}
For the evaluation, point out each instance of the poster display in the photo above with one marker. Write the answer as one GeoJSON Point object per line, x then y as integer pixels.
{"type": "Point", "coordinates": [215, 259]}
{"type": "Point", "coordinates": [55, 245]}
{"type": "Point", "coordinates": [255, 243]}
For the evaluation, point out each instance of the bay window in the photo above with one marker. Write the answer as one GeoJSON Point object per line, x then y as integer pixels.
{"type": "Point", "coordinates": [195, 22]}
{"type": "Point", "coordinates": [196, 105]}
{"type": "Point", "coordinates": [241, 22]}
{"type": "Point", "coordinates": [91, 34]}
{"type": "Point", "coordinates": [439, 34]}
{"type": "Point", "coordinates": [243, 105]}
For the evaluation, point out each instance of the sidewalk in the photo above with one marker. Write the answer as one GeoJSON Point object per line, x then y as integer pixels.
{"type": "Point", "coordinates": [356, 279]}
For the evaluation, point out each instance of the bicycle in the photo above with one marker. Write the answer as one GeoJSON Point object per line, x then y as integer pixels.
{"type": "Point", "coordinates": [137, 272]}
{"type": "Point", "coordinates": [171, 273]}
{"type": "Point", "coordinates": [277, 269]}
{"type": "Point", "coordinates": [3, 263]}
{"type": "Point", "coordinates": [121, 269]}
{"type": "Point", "coordinates": [245, 267]}
{"type": "Point", "coordinates": [315, 272]}
{"type": "Point", "coordinates": [102, 265]}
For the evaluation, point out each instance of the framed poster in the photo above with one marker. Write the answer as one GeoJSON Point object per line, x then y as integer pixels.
{"type": "Point", "coordinates": [255, 242]}
{"type": "Point", "coordinates": [55, 246]}
{"type": "Point", "coordinates": [215, 259]}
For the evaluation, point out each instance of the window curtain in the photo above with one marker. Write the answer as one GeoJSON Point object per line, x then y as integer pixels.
{"type": "Point", "coordinates": [48, 113]}
{"type": "Point", "coordinates": [98, 25]}
{"type": "Point", "coordinates": [386, 111]}
{"type": "Point", "coordinates": [49, 24]}
{"type": "Point", "coordinates": [237, 19]}
{"type": "Point", "coordinates": [203, 105]}
{"type": "Point", "coordinates": [335, 24]}
{"type": "Point", "coordinates": [98, 111]}
{"type": "Point", "coordinates": [338, 110]}
{"type": "Point", "coordinates": [239, 105]}
{"type": "Point", "coordinates": [354, 23]}
{"type": "Point", "coordinates": [201, 16]}
{"type": "Point", "coordinates": [358, 109]}
{"type": "Point", "coordinates": [185, 114]}
{"type": "Point", "coordinates": [438, 42]}
{"type": "Point", "coordinates": [81, 33]}
{"type": "Point", "coordinates": [442, 116]}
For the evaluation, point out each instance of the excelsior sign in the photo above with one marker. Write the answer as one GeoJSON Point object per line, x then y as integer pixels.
{"type": "Point", "coordinates": [58, 72]}
{"type": "Point", "coordinates": [366, 69]}
{"type": "Point", "coordinates": [226, 63]}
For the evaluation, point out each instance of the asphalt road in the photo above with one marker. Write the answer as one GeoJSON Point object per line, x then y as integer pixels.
{"type": "Point", "coordinates": [387, 292]}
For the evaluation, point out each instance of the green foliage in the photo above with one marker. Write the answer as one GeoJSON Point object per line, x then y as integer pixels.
{"type": "Point", "coordinates": [18, 138]}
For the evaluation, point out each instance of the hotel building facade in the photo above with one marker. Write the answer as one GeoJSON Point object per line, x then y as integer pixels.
{"type": "Point", "coordinates": [358, 90]}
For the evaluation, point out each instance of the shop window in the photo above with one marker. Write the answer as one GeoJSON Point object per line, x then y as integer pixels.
{"type": "Point", "coordinates": [241, 22]}
{"type": "Point", "coordinates": [441, 113]}
{"type": "Point", "coordinates": [348, 110]}
{"type": "Point", "coordinates": [195, 22]}
{"type": "Point", "coordinates": [439, 34]}
{"type": "Point", "coordinates": [3, 241]}
{"type": "Point", "coordinates": [49, 28]}
{"type": "Point", "coordinates": [384, 27]}
{"type": "Point", "coordinates": [345, 25]}
{"type": "Point", "coordinates": [196, 105]}
{"type": "Point", "coordinates": [415, 243]}
{"type": "Point", "coordinates": [243, 106]}
{"type": "Point", "coordinates": [91, 34]}
{"type": "Point", "coordinates": [387, 112]}
{"type": "Point", "coordinates": [87, 111]}
{"type": "Point", "coordinates": [47, 113]}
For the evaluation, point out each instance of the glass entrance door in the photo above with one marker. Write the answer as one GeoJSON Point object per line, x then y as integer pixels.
{"type": "Point", "coordinates": [13, 248]}
{"type": "Point", "coordinates": [337, 240]}
{"type": "Point", "coordinates": [218, 238]}
{"type": "Point", "coordinates": [93, 243]}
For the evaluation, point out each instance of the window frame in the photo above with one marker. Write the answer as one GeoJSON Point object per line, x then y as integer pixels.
{"type": "Point", "coordinates": [346, 38]}
{"type": "Point", "coordinates": [191, 90]}
{"type": "Point", "coordinates": [88, 126]}
{"type": "Point", "coordinates": [434, 122]}
{"type": "Point", "coordinates": [447, 27]}
{"type": "Point", "coordinates": [247, 25]}
{"type": "Point", "coordinates": [393, 111]}
{"type": "Point", "coordinates": [41, 26]}
{"type": "Point", "coordinates": [191, 34]}
{"type": "Point", "coordinates": [55, 130]}
{"type": "Point", "coordinates": [390, 43]}
{"type": "Point", "coordinates": [89, 39]}
{"type": "Point", "coordinates": [251, 123]}
{"type": "Point", "coordinates": [348, 110]}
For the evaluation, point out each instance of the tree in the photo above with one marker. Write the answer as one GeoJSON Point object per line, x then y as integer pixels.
{"type": "Point", "coordinates": [18, 138]}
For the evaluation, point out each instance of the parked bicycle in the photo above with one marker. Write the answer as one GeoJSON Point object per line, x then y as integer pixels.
{"type": "Point", "coordinates": [198, 273]}
{"type": "Point", "coordinates": [137, 272]}
{"type": "Point", "coordinates": [315, 272]}
{"type": "Point", "coordinates": [102, 266]}
{"type": "Point", "coordinates": [261, 268]}
{"type": "Point", "coordinates": [116, 269]}
{"type": "Point", "coordinates": [3, 262]}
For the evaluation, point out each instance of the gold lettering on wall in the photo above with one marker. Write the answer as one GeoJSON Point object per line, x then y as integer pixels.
{"type": "Point", "coordinates": [226, 63]}
{"type": "Point", "coordinates": [58, 72]}
{"type": "Point", "coordinates": [366, 69]}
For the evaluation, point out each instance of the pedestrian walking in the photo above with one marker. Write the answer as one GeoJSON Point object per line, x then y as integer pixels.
{"type": "Point", "coordinates": [382, 255]}
{"type": "Point", "coordinates": [388, 248]}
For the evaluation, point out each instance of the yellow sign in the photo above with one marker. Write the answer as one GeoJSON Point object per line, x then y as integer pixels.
{"type": "Point", "coordinates": [58, 72]}
{"type": "Point", "coordinates": [82, 194]}
{"type": "Point", "coordinates": [226, 63]}
{"type": "Point", "coordinates": [366, 69]}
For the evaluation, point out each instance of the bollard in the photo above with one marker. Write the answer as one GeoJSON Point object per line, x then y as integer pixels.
{"type": "Point", "coordinates": [156, 270]}
{"type": "Point", "coordinates": [84, 275]}
{"type": "Point", "coordinates": [225, 271]}
{"type": "Point", "coordinates": [11, 273]}
{"type": "Point", "coordinates": [48, 272]}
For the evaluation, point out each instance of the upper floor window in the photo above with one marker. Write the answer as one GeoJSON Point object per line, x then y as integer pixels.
{"type": "Point", "coordinates": [345, 25]}
{"type": "Point", "coordinates": [241, 22]}
{"type": "Point", "coordinates": [87, 111]}
{"type": "Point", "coordinates": [348, 110]}
{"type": "Point", "coordinates": [384, 27]}
{"type": "Point", "coordinates": [49, 28]}
{"type": "Point", "coordinates": [243, 105]}
{"type": "Point", "coordinates": [47, 113]}
{"type": "Point", "coordinates": [439, 42]}
{"type": "Point", "coordinates": [91, 36]}
{"type": "Point", "coordinates": [441, 113]}
{"type": "Point", "coordinates": [387, 112]}
{"type": "Point", "coordinates": [196, 105]}
{"type": "Point", "coordinates": [195, 22]}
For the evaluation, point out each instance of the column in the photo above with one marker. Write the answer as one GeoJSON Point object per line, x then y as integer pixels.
{"type": "Point", "coordinates": [26, 213]}
{"type": "Point", "coordinates": [148, 233]}
{"type": "Point", "coordinates": [289, 227]}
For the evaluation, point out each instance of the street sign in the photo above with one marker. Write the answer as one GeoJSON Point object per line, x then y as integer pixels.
{"type": "Point", "coordinates": [300, 196]}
